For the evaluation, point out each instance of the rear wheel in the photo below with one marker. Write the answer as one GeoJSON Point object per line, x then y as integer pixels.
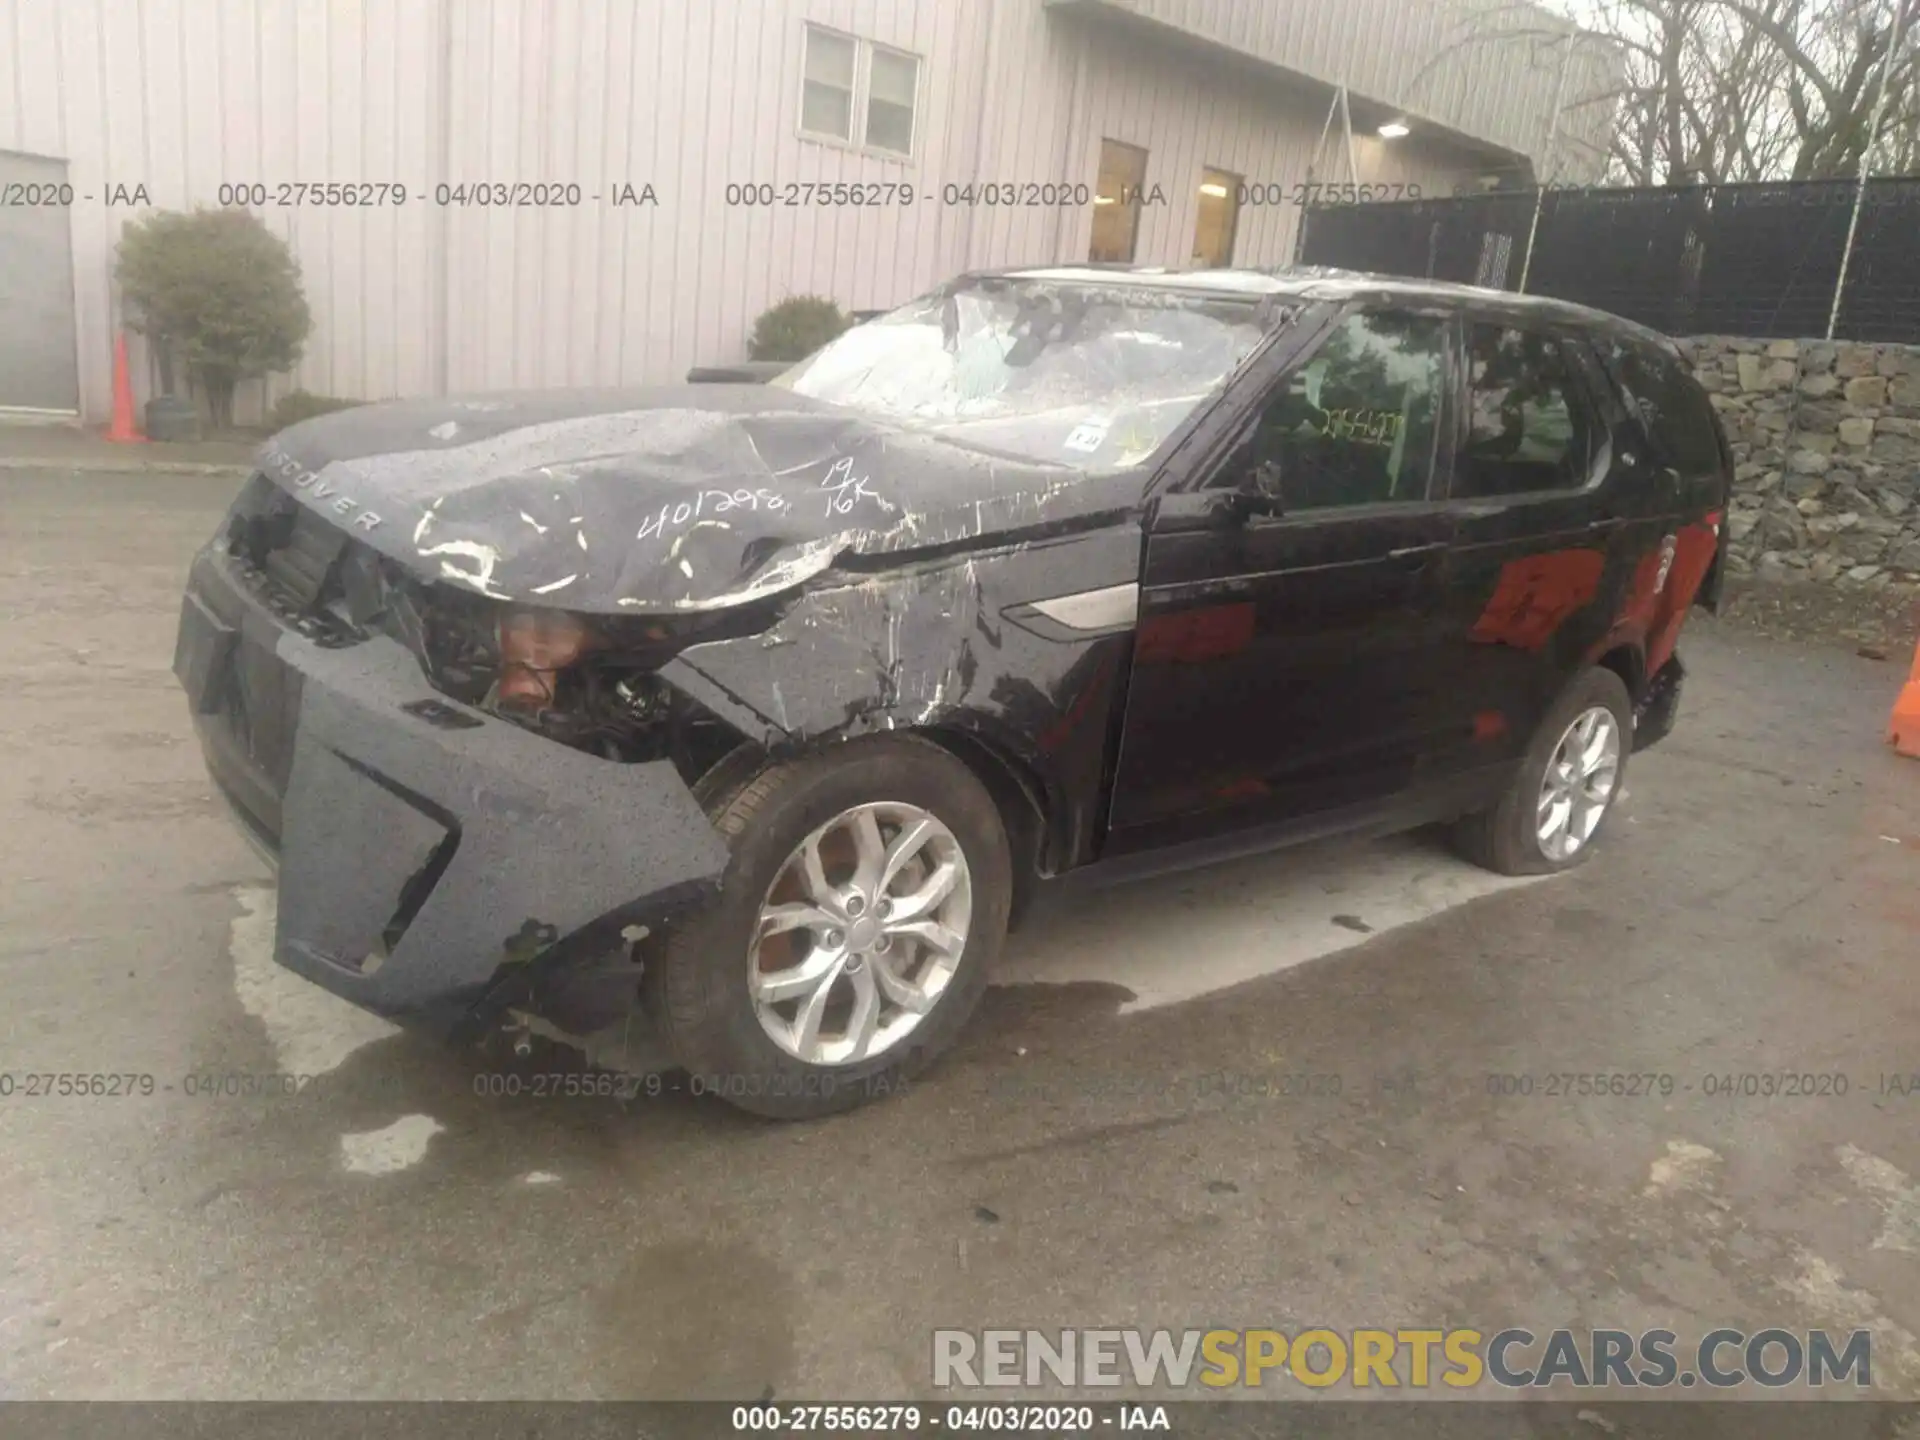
{"type": "Point", "coordinates": [1564, 790]}
{"type": "Point", "coordinates": [865, 902]}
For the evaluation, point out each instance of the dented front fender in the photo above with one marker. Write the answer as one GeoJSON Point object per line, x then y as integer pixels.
{"type": "Point", "coordinates": [988, 643]}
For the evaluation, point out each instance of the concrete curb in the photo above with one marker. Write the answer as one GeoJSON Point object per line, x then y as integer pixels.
{"type": "Point", "coordinates": [94, 465]}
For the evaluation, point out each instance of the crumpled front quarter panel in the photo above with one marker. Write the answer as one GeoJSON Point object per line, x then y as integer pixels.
{"type": "Point", "coordinates": [944, 644]}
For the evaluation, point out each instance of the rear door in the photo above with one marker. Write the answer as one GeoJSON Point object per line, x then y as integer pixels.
{"type": "Point", "coordinates": [1683, 437]}
{"type": "Point", "coordinates": [1284, 666]}
{"type": "Point", "coordinates": [1552, 512]}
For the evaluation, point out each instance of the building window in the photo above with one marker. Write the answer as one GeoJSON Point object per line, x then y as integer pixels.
{"type": "Point", "coordinates": [843, 76]}
{"type": "Point", "coordinates": [826, 94]}
{"type": "Point", "coordinates": [1116, 201]}
{"type": "Point", "coordinates": [1217, 219]}
{"type": "Point", "coordinates": [893, 80]}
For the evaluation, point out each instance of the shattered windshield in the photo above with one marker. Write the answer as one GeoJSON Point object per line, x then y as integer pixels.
{"type": "Point", "coordinates": [1094, 376]}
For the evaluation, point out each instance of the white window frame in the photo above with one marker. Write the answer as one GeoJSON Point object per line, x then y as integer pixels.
{"type": "Point", "coordinates": [863, 72]}
{"type": "Point", "coordinates": [863, 53]}
{"type": "Point", "coordinates": [853, 90]}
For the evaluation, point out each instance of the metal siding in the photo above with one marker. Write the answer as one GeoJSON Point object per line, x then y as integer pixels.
{"type": "Point", "coordinates": [34, 76]}
{"type": "Point", "coordinates": [184, 95]}
{"type": "Point", "coordinates": [1264, 133]}
{"type": "Point", "coordinates": [1496, 68]}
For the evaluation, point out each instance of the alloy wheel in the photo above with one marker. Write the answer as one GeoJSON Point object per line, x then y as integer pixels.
{"type": "Point", "coordinates": [1579, 783]}
{"type": "Point", "coordinates": [860, 933]}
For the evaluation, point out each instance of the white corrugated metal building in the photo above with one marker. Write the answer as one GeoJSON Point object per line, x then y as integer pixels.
{"type": "Point", "coordinates": [1188, 100]}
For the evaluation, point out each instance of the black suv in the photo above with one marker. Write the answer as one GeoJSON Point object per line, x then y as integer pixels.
{"type": "Point", "coordinates": [750, 710]}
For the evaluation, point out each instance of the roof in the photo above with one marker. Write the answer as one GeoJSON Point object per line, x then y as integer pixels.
{"type": "Point", "coordinates": [1489, 74]}
{"type": "Point", "coordinates": [1321, 282]}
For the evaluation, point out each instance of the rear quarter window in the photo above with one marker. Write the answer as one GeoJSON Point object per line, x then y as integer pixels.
{"type": "Point", "coordinates": [1671, 406]}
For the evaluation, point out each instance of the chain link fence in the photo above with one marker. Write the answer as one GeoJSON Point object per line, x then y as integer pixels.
{"type": "Point", "coordinates": [1758, 260]}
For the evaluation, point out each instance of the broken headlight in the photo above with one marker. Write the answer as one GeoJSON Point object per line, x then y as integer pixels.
{"type": "Point", "coordinates": [534, 647]}
{"type": "Point", "coordinates": [587, 681]}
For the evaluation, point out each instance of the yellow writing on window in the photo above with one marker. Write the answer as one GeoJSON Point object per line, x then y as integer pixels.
{"type": "Point", "coordinates": [1367, 427]}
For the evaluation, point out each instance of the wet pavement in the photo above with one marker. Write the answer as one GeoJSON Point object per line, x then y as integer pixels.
{"type": "Point", "coordinates": [1254, 1096]}
{"type": "Point", "coordinates": [56, 447]}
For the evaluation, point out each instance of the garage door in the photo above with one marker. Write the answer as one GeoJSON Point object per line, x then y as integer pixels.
{"type": "Point", "coordinates": [37, 367]}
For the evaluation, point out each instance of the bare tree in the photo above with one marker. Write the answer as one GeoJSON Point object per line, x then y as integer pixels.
{"type": "Point", "coordinates": [1718, 90]}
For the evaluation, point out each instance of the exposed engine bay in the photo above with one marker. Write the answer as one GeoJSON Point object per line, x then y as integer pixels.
{"type": "Point", "coordinates": [586, 682]}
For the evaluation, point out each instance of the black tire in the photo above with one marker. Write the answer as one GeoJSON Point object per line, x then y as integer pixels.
{"type": "Point", "coordinates": [1505, 838]}
{"type": "Point", "coordinates": [697, 983]}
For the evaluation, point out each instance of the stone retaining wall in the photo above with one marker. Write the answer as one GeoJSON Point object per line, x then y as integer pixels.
{"type": "Point", "coordinates": [1826, 438]}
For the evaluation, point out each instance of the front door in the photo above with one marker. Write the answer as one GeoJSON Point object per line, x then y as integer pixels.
{"type": "Point", "coordinates": [1281, 669]}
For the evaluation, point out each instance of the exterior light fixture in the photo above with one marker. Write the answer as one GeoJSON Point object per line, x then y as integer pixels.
{"type": "Point", "coordinates": [1393, 130]}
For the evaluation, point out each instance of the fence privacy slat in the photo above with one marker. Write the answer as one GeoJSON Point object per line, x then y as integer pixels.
{"type": "Point", "coordinates": [1759, 260]}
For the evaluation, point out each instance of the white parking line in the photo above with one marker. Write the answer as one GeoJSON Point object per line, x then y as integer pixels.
{"type": "Point", "coordinates": [311, 1030]}
{"type": "Point", "coordinates": [1893, 1191]}
{"type": "Point", "coordinates": [1177, 937]}
{"type": "Point", "coordinates": [390, 1148]}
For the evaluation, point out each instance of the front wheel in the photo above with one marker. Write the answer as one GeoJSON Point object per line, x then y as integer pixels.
{"type": "Point", "coordinates": [1564, 789]}
{"type": "Point", "coordinates": [855, 926]}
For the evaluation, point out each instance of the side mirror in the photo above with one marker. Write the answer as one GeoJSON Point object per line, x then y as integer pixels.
{"type": "Point", "coordinates": [1262, 482]}
{"type": "Point", "coordinates": [1255, 491]}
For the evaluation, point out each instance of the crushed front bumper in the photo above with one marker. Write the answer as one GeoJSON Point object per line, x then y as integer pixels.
{"type": "Point", "coordinates": [436, 865]}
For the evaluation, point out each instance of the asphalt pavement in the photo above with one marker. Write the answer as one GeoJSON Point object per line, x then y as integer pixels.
{"type": "Point", "coordinates": [1306, 1088]}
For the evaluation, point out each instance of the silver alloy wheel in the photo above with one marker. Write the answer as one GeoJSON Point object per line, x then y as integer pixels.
{"type": "Point", "coordinates": [860, 933]}
{"type": "Point", "coordinates": [1579, 783]}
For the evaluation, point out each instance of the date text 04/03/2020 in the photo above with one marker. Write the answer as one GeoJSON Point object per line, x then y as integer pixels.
{"type": "Point", "coordinates": [990, 1419]}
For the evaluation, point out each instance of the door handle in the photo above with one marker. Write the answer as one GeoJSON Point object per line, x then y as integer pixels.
{"type": "Point", "coordinates": [1605, 526]}
{"type": "Point", "coordinates": [1409, 554]}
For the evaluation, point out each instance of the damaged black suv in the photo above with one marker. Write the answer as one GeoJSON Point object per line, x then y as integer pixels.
{"type": "Point", "coordinates": [748, 711]}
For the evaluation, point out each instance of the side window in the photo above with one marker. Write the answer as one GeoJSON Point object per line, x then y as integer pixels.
{"type": "Point", "coordinates": [1672, 409]}
{"type": "Point", "coordinates": [1355, 423]}
{"type": "Point", "coordinates": [1528, 428]}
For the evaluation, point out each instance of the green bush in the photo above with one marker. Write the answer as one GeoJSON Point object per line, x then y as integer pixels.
{"type": "Point", "coordinates": [216, 293]}
{"type": "Point", "coordinates": [795, 328]}
{"type": "Point", "coordinates": [297, 405]}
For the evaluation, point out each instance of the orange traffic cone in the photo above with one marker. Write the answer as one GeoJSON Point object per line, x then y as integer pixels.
{"type": "Point", "coordinates": [123, 430]}
{"type": "Point", "coordinates": [1903, 730]}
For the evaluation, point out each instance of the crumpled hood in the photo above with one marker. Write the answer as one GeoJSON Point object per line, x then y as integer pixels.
{"type": "Point", "coordinates": [678, 498]}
